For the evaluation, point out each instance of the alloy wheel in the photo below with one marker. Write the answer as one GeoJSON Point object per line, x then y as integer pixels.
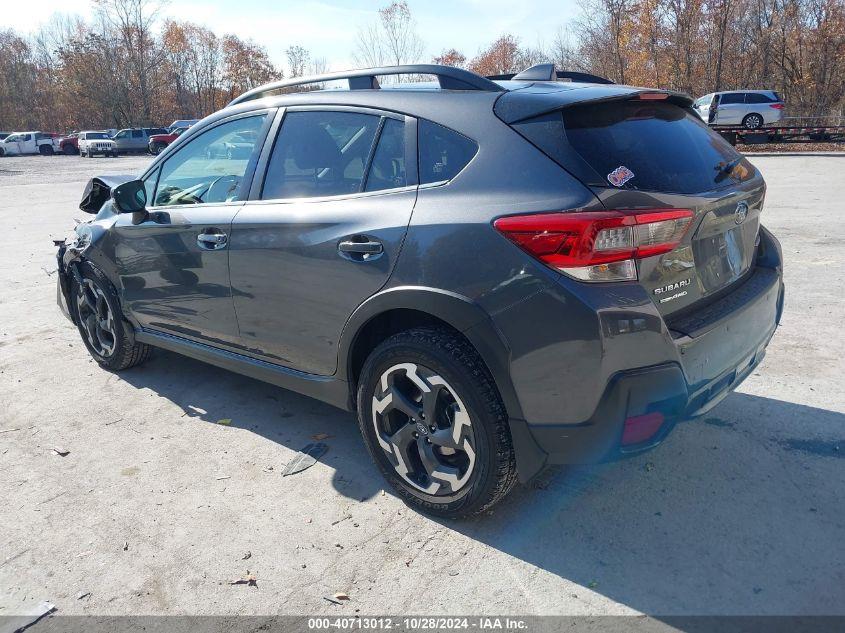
{"type": "Point", "coordinates": [753, 122]}
{"type": "Point", "coordinates": [95, 317]}
{"type": "Point", "coordinates": [424, 429]}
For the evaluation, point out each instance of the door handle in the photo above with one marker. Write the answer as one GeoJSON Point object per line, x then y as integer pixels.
{"type": "Point", "coordinates": [212, 241]}
{"type": "Point", "coordinates": [362, 248]}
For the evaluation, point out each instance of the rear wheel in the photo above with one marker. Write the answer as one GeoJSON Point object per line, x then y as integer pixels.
{"type": "Point", "coordinates": [108, 337]}
{"type": "Point", "coordinates": [157, 148]}
{"type": "Point", "coordinates": [434, 423]}
{"type": "Point", "coordinates": [45, 150]}
{"type": "Point", "coordinates": [752, 121]}
{"type": "Point", "coordinates": [69, 149]}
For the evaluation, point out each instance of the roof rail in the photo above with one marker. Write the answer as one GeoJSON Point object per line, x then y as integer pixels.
{"type": "Point", "coordinates": [547, 72]}
{"type": "Point", "coordinates": [449, 77]}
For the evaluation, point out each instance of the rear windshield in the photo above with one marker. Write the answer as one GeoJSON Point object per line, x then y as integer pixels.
{"type": "Point", "coordinates": [652, 146]}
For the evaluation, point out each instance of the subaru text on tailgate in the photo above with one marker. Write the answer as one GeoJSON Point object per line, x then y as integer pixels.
{"type": "Point", "coordinates": [497, 276]}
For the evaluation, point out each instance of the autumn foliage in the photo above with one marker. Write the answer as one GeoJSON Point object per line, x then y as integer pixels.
{"type": "Point", "coordinates": [131, 66]}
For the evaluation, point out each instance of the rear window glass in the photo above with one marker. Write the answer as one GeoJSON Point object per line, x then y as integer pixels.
{"type": "Point", "coordinates": [443, 152]}
{"type": "Point", "coordinates": [652, 146]}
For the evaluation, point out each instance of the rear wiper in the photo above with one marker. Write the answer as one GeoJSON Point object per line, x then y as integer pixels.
{"type": "Point", "coordinates": [727, 168]}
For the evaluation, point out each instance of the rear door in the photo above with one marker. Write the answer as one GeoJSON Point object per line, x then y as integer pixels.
{"type": "Point", "coordinates": [321, 231]}
{"type": "Point", "coordinates": [173, 261]}
{"type": "Point", "coordinates": [674, 161]}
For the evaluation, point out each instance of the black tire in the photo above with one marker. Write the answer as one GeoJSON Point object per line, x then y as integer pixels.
{"type": "Point", "coordinates": [124, 351]}
{"type": "Point", "coordinates": [752, 121]}
{"type": "Point", "coordinates": [45, 150]}
{"type": "Point", "coordinates": [69, 149]}
{"type": "Point", "coordinates": [157, 148]}
{"type": "Point", "coordinates": [453, 360]}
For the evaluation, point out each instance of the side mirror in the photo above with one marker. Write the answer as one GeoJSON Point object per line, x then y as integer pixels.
{"type": "Point", "coordinates": [130, 197]}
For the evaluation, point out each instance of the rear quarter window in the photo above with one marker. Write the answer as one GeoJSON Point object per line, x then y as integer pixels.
{"type": "Point", "coordinates": [443, 153]}
{"type": "Point", "coordinates": [666, 148]}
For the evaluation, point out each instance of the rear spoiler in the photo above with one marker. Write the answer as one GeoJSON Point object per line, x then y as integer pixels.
{"type": "Point", "coordinates": [98, 190]}
{"type": "Point", "coordinates": [517, 105]}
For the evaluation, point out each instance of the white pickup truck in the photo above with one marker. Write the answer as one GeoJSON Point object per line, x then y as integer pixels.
{"type": "Point", "coordinates": [29, 143]}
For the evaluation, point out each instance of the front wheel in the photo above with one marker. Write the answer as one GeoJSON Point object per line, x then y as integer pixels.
{"type": "Point", "coordinates": [107, 336]}
{"type": "Point", "coordinates": [752, 121]}
{"type": "Point", "coordinates": [434, 423]}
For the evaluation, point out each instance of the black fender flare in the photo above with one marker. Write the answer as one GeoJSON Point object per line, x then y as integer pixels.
{"type": "Point", "coordinates": [475, 324]}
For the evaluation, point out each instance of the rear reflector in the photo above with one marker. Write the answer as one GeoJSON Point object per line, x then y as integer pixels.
{"type": "Point", "coordinates": [776, 106]}
{"type": "Point", "coordinates": [597, 245]}
{"type": "Point", "coordinates": [641, 427]}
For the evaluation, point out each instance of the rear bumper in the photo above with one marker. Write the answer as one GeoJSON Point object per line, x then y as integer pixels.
{"type": "Point", "coordinates": [686, 367]}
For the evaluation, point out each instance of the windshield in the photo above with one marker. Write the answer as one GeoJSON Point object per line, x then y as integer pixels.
{"type": "Point", "coordinates": [659, 147]}
{"type": "Point", "coordinates": [96, 135]}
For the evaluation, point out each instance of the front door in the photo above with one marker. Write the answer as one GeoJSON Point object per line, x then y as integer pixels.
{"type": "Point", "coordinates": [324, 232]}
{"type": "Point", "coordinates": [173, 262]}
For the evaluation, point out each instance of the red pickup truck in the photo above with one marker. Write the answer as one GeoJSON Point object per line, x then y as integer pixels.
{"type": "Point", "coordinates": [159, 141]}
{"type": "Point", "coordinates": [70, 144]}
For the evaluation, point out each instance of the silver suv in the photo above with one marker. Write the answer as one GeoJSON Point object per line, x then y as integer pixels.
{"type": "Point", "coordinates": [749, 108]}
{"type": "Point", "coordinates": [135, 139]}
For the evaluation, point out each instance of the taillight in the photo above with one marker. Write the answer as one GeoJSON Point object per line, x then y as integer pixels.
{"type": "Point", "coordinates": [776, 106]}
{"type": "Point", "coordinates": [597, 245]}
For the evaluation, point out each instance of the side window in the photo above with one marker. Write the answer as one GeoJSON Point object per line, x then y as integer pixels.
{"type": "Point", "coordinates": [443, 152]}
{"type": "Point", "coordinates": [27, 137]}
{"type": "Point", "coordinates": [320, 154]}
{"type": "Point", "coordinates": [122, 134]}
{"type": "Point", "coordinates": [733, 97]}
{"type": "Point", "coordinates": [137, 134]}
{"type": "Point", "coordinates": [211, 167]}
{"type": "Point", "coordinates": [387, 170]}
{"type": "Point", "coordinates": [756, 97]}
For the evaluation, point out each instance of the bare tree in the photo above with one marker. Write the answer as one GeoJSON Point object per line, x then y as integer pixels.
{"type": "Point", "coordinates": [391, 39]}
{"type": "Point", "coordinates": [298, 58]}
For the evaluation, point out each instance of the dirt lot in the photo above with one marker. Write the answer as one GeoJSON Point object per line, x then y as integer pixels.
{"type": "Point", "coordinates": [157, 506]}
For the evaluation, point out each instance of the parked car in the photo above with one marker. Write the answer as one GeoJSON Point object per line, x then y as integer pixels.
{"type": "Point", "coordinates": [69, 144]}
{"type": "Point", "coordinates": [44, 143]}
{"type": "Point", "coordinates": [94, 142]}
{"type": "Point", "coordinates": [749, 108]}
{"type": "Point", "coordinates": [182, 123]}
{"type": "Point", "coordinates": [135, 139]}
{"type": "Point", "coordinates": [497, 276]}
{"type": "Point", "coordinates": [158, 142]}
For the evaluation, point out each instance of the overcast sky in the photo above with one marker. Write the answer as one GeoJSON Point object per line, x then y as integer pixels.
{"type": "Point", "coordinates": [328, 27]}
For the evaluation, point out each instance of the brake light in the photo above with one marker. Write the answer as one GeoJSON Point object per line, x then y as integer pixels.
{"type": "Point", "coordinates": [597, 245]}
{"type": "Point", "coordinates": [776, 106]}
{"type": "Point", "coordinates": [653, 96]}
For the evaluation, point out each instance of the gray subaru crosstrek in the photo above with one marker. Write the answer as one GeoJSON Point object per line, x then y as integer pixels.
{"type": "Point", "coordinates": [496, 275]}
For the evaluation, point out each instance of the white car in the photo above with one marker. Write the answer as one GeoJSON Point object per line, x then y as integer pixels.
{"type": "Point", "coordinates": [29, 143]}
{"type": "Point", "coordinates": [749, 108]}
{"type": "Point", "coordinates": [93, 142]}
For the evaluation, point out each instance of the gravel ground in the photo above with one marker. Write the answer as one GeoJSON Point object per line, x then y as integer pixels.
{"type": "Point", "coordinates": [157, 506]}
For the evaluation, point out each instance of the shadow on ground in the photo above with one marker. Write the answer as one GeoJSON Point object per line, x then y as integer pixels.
{"type": "Point", "coordinates": [736, 513]}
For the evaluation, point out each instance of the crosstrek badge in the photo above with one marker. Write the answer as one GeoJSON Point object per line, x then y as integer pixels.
{"type": "Point", "coordinates": [620, 176]}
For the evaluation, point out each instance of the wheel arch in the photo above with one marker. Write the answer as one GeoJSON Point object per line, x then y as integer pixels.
{"type": "Point", "coordinates": [402, 308]}
{"type": "Point", "coordinates": [398, 308]}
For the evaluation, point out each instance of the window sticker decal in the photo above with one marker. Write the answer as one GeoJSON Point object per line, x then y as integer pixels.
{"type": "Point", "coordinates": [620, 176]}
